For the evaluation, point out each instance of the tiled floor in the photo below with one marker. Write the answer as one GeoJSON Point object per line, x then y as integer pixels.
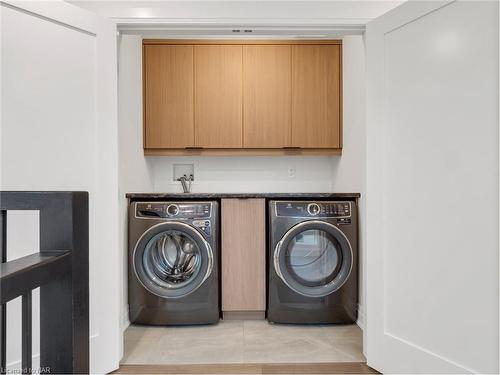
{"type": "Point", "coordinates": [236, 341]}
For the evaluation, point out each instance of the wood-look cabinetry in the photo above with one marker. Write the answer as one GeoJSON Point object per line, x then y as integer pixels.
{"type": "Point", "coordinates": [243, 255]}
{"type": "Point", "coordinates": [168, 96]}
{"type": "Point", "coordinates": [217, 96]}
{"type": "Point", "coordinates": [242, 97]}
{"type": "Point", "coordinates": [316, 96]}
{"type": "Point", "coordinates": [267, 94]}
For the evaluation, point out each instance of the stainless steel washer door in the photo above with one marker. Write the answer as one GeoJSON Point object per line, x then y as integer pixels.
{"type": "Point", "coordinates": [314, 258]}
{"type": "Point", "coordinates": [172, 259]}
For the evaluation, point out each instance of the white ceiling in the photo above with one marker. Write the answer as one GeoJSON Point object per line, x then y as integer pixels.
{"type": "Point", "coordinates": [208, 18]}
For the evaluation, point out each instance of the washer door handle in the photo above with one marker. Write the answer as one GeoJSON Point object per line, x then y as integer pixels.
{"type": "Point", "coordinates": [210, 256]}
{"type": "Point", "coordinates": [277, 251]}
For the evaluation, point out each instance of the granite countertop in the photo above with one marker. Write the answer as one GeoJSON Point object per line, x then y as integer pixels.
{"type": "Point", "coordinates": [135, 196]}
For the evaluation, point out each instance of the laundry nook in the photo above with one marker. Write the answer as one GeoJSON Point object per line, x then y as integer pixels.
{"type": "Point", "coordinates": [249, 187]}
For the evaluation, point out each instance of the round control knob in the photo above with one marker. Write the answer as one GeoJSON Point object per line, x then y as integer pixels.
{"type": "Point", "coordinates": [172, 210]}
{"type": "Point", "coordinates": [313, 209]}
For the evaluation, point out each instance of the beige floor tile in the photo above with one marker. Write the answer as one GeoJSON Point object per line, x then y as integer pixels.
{"type": "Point", "coordinates": [351, 331]}
{"type": "Point", "coordinates": [352, 349]}
{"type": "Point", "coordinates": [242, 342]}
{"type": "Point", "coordinates": [138, 351]}
{"type": "Point", "coordinates": [136, 332]}
{"type": "Point", "coordinates": [293, 344]}
{"type": "Point", "coordinates": [262, 328]}
{"type": "Point", "coordinates": [199, 351]}
{"type": "Point", "coordinates": [222, 330]}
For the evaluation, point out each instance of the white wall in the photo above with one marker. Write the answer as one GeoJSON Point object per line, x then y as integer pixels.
{"type": "Point", "coordinates": [247, 174]}
{"type": "Point", "coordinates": [134, 170]}
{"type": "Point", "coordinates": [58, 132]}
{"type": "Point", "coordinates": [37, 151]}
{"type": "Point", "coordinates": [241, 174]}
{"type": "Point", "coordinates": [349, 170]}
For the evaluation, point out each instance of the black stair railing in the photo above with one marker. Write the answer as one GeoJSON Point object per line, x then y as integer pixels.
{"type": "Point", "coordinates": [61, 270]}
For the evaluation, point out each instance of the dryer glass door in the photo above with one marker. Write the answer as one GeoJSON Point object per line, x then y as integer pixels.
{"type": "Point", "coordinates": [172, 259]}
{"type": "Point", "coordinates": [314, 258]}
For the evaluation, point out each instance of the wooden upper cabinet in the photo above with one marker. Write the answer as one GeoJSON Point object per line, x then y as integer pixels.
{"type": "Point", "coordinates": [168, 96]}
{"type": "Point", "coordinates": [316, 98]}
{"type": "Point", "coordinates": [218, 91]}
{"type": "Point", "coordinates": [252, 97]}
{"type": "Point", "coordinates": [267, 85]}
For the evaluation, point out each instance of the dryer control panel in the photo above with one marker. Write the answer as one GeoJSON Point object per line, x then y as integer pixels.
{"type": "Point", "coordinates": [313, 209]}
{"type": "Point", "coordinates": [173, 210]}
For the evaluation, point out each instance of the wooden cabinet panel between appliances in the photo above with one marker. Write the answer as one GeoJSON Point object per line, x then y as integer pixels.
{"type": "Point", "coordinates": [243, 255]}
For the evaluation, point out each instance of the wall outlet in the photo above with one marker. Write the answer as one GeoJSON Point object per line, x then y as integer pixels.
{"type": "Point", "coordinates": [291, 171]}
{"type": "Point", "coordinates": [183, 170]}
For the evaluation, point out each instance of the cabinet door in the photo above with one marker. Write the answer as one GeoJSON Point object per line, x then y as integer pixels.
{"type": "Point", "coordinates": [316, 114]}
{"type": "Point", "coordinates": [243, 255]}
{"type": "Point", "coordinates": [267, 97]}
{"type": "Point", "coordinates": [168, 96]}
{"type": "Point", "coordinates": [218, 96]}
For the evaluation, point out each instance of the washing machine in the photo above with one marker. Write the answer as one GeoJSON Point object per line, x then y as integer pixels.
{"type": "Point", "coordinates": [173, 263]}
{"type": "Point", "coordinates": [312, 262]}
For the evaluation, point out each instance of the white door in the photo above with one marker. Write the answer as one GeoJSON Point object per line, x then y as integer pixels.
{"type": "Point", "coordinates": [59, 132]}
{"type": "Point", "coordinates": [432, 188]}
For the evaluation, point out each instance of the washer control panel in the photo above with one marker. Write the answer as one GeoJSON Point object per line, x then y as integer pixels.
{"type": "Point", "coordinates": [173, 210]}
{"type": "Point", "coordinates": [203, 225]}
{"type": "Point", "coordinates": [313, 209]}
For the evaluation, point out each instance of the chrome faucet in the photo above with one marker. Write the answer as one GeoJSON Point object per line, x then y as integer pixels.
{"type": "Point", "coordinates": [184, 182]}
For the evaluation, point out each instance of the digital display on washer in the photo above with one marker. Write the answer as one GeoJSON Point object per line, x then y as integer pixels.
{"type": "Point", "coordinates": [174, 210]}
{"type": "Point", "coordinates": [313, 209]}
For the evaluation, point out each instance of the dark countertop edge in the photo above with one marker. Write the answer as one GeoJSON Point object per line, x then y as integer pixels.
{"type": "Point", "coordinates": [135, 196]}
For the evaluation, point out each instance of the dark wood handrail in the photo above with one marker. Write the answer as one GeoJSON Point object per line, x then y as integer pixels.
{"type": "Point", "coordinates": [62, 275]}
{"type": "Point", "coordinates": [21, 275]}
